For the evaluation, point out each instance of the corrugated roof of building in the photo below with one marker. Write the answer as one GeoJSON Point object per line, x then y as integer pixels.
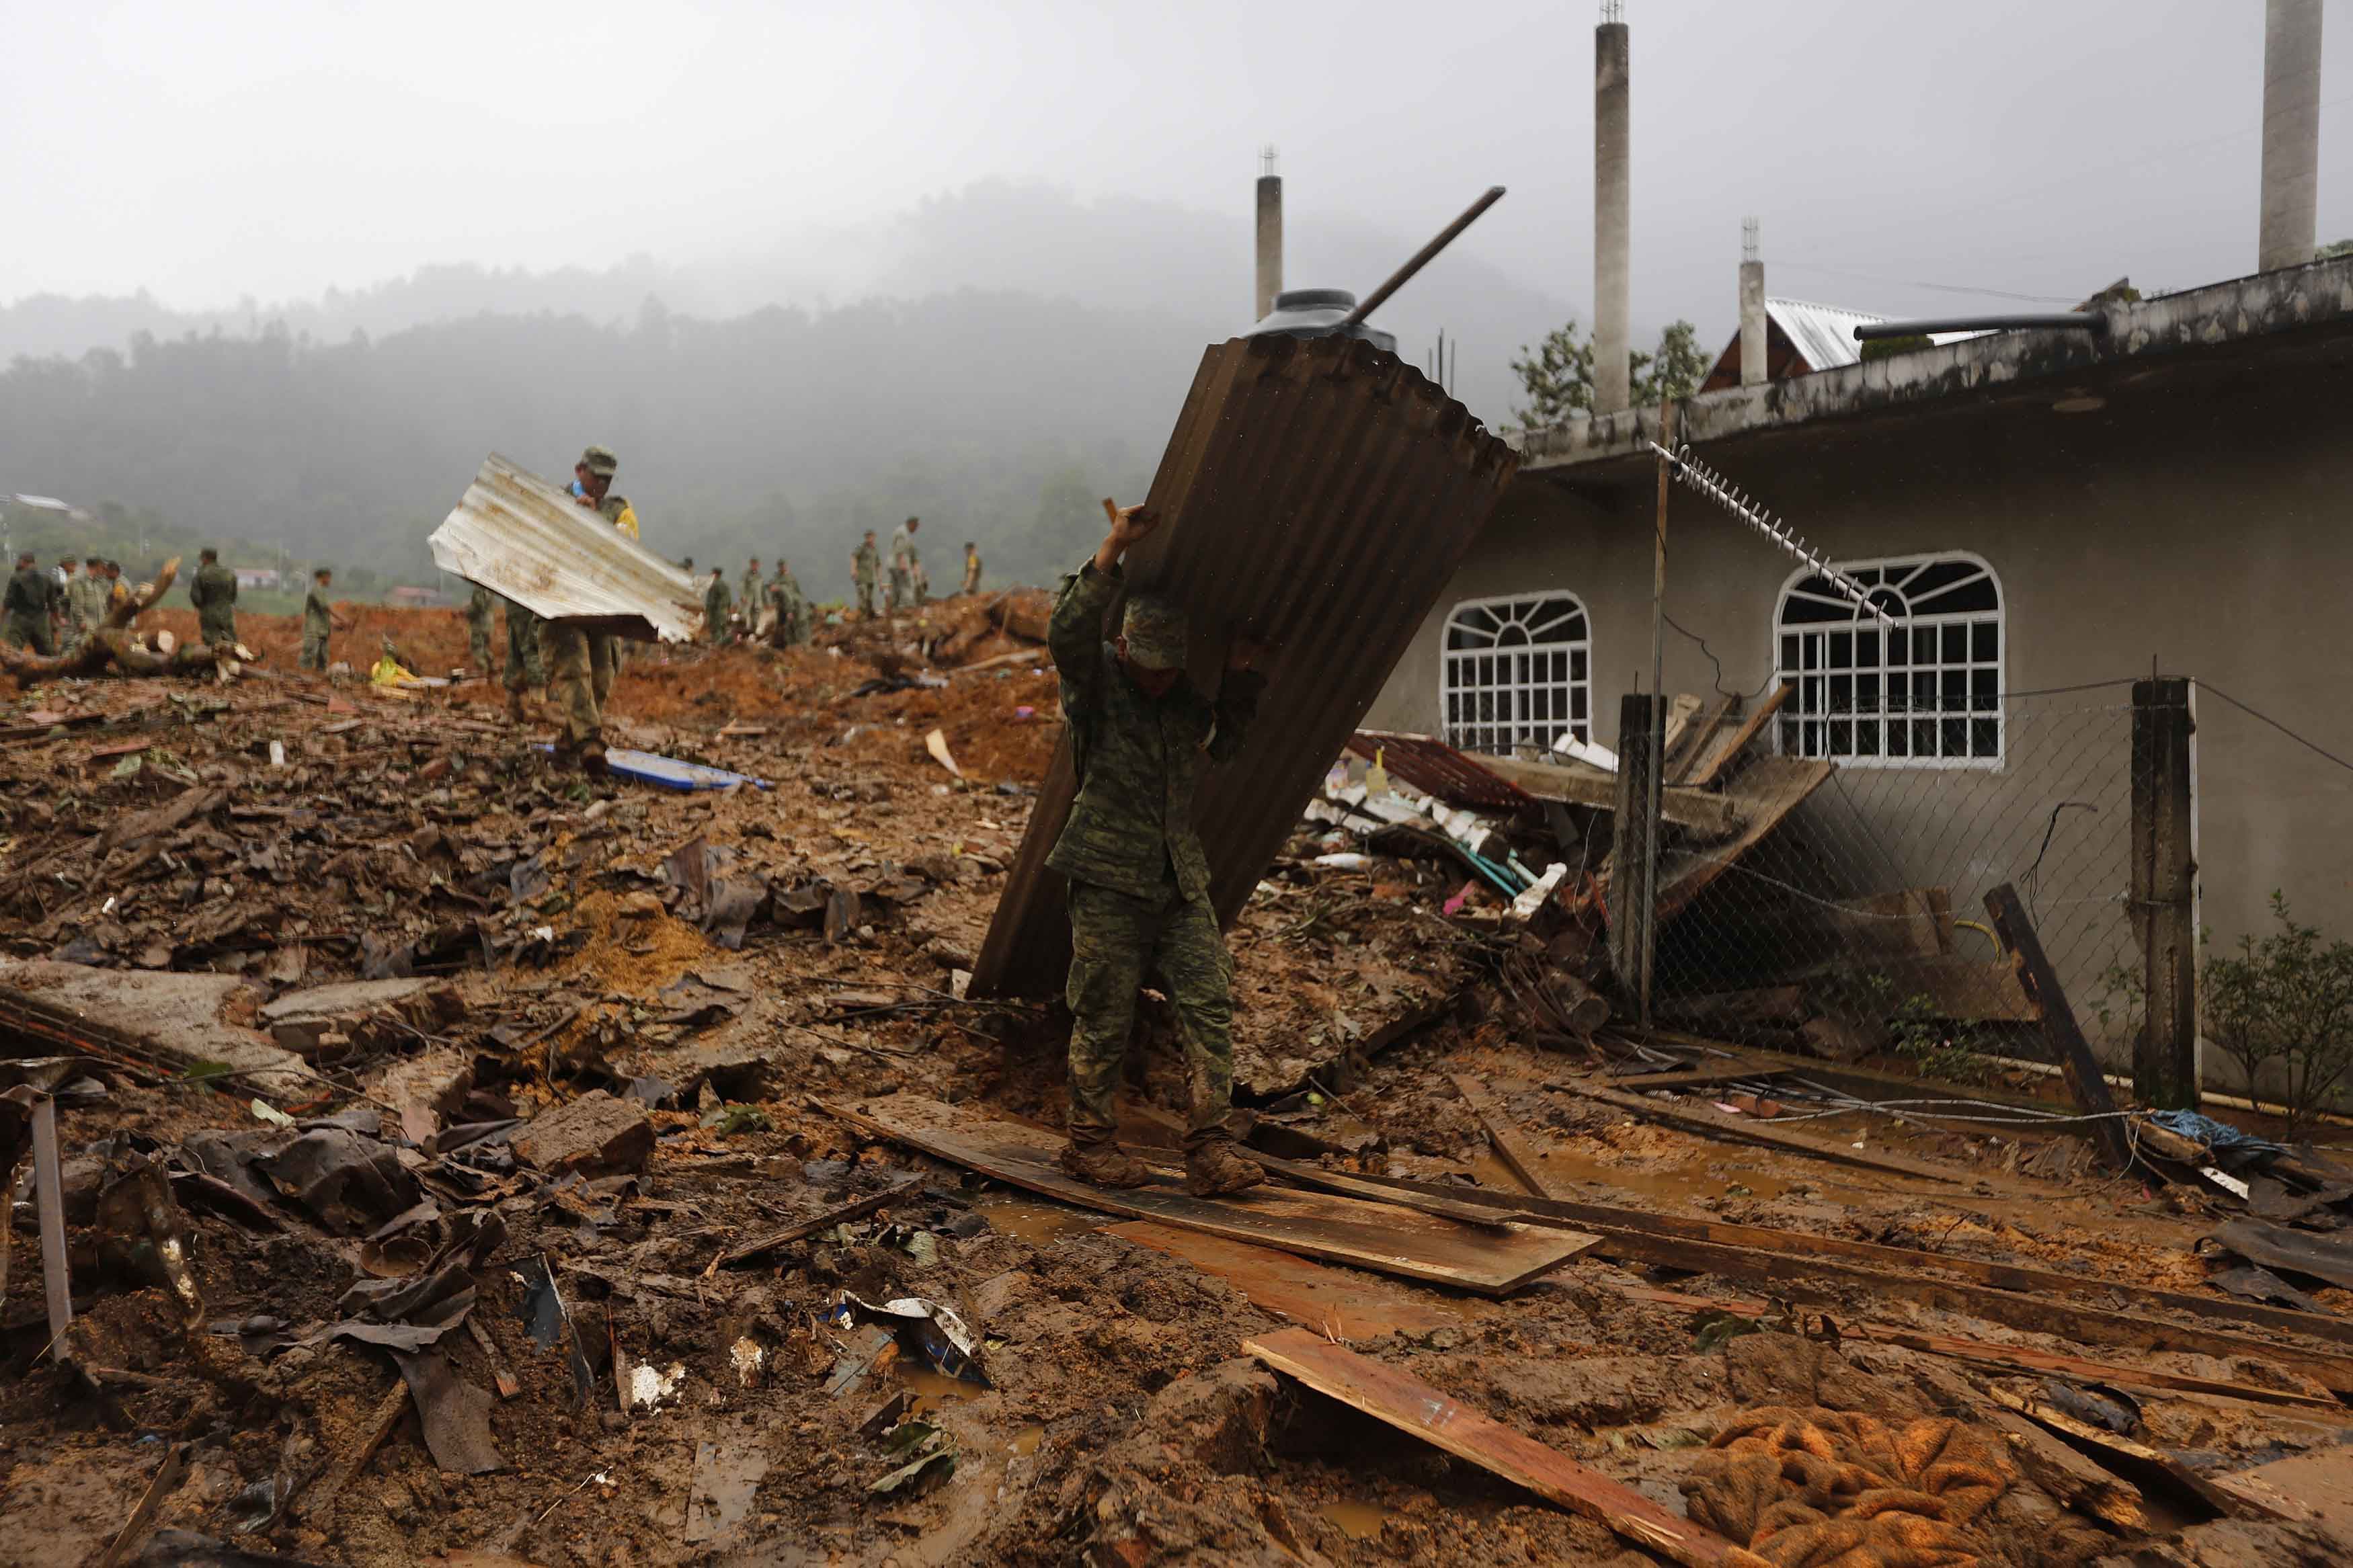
{"type": "Point", "coordinates": [526, 540]}
{"type": "Point", "coordinates": [1824, 334]}
{"type": "Point", "coordinates": [1318, 492]}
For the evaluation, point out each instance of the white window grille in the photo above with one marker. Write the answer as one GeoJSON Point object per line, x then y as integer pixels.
{"type": "Point", "coordinates": [1516, 671]}
{"type": "Point", "coordinates": [1926, 693]}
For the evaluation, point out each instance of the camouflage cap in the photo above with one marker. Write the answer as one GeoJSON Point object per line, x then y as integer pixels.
{"type": "Point", "coordinates": [1156, 632]}
{"type": "Point", "coordinates": [600, 461]}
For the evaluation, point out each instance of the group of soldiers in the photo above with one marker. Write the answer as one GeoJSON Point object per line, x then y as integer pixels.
{"type": "Point", "coordinates": [907, 583]}
{"type": "Point", "coordinates": [795, 619]}
{"type": "Point", "coordinates": [54, 610]}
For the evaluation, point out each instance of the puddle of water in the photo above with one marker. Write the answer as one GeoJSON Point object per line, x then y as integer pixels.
{"type": "Point", "coordinates": [1035, 1221]}
{"type": "Point", "coordinates": [933, 1389]}
{"type": "Point", "coordinates": [1026, 1441]}
{"type": "Point", "coordinates": [1357, 1521]}
{"type": "Point", "coordinates": [1708, 1173]}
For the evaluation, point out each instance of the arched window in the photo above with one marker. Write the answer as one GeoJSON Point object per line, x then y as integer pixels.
{"type": "Point", "coordinates": [1516, 672]}
{"type": "Point", "coordinates": [1926, 694]}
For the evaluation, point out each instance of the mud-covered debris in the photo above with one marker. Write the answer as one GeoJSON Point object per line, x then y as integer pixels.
{"type": "Point", "coordinates": [595, 1135]}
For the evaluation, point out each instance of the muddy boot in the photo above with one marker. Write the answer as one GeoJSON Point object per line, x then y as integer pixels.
{"type": "Point", "coordinates": [591, 757]}
{"type": "Point", "coordinates": [1104, 1166]}
{"type": "Point", "coordinates": [1215, 1168]}
{"type": "Point", "coordinates": [514, 707]}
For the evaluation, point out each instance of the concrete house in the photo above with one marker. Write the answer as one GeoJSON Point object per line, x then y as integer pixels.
{"type": "Point", "coordinates": [2047, 515]}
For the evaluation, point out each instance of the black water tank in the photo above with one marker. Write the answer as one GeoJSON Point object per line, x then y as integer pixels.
{"type": "Point", "coordinates": [1316, 313]}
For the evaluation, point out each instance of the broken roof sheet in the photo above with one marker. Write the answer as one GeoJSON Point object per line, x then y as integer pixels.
{"type": "Point", "coordinates": [1824, 334]}
{"type": "Point", "coordinates": [1319, 493]}
{"type": "Point", "coordinates": [528, 541]}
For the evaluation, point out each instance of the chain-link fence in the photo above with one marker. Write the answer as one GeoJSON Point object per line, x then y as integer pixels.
{"type": "Point", "coordinates": [1839, 903]}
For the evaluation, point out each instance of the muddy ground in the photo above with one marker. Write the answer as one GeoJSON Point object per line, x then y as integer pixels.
{"type": "Point", "coordinates": [576, 936]}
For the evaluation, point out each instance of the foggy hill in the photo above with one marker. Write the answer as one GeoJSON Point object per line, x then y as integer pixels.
{"type": "Point", "coordinates": [1012, 355]}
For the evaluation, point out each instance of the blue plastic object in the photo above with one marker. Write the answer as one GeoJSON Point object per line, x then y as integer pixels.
{"type": "Point", "coordinates": [669, 773]}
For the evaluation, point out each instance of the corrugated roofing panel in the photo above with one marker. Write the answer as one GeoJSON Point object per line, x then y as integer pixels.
{"type": "Point", "coordinates": [522, 537]}
{"type": "Point", "coordinates": [1435, 768]}
{"type": "Point", "coordinates": [1318, 492]}
{"type": "Point", "coordinates": [1824, 334]}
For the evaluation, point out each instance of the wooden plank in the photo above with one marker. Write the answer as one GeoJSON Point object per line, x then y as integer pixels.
{"type": "Point", "coordinates": [2136, 1460]}
{"type": "Point", "coordinates": [1713, 815]}
{"type": "Point", "coordinates": [2018, 1359]}
{"type": "Point", "coordinates": [1720, 760]}
{"type": "Point", "coordinates": [803, 1230]}
{"type": "Point", "coordinates": [1697, 741]}
{"type": "Point", "coordinates": [1315, 1295]}
{"type": "Point", "coordinates": [1383, 1238]}
{"type": "Point", "coordinates": [1693, 1078]}
{"type": "Point", "coordinates": [1908, 1265]}
{"type": "Point", "coordinates": [1715, 1125]}
{"type": "Point", "coordinates": [1867, 1083]}
{"type": "Point", "coordinates": [2075, 1481]}
{"type": "Point", "coordinates": [135, 1531]}
{"type": "Point", "coordinates": [2081, 1069]}
{"type": "Point", "coordinates": [1513, 1150]}
{"type": "Point", "coordinates": [1768, 790]}
{"type": "Point", "coordinates": [1413, 1406]}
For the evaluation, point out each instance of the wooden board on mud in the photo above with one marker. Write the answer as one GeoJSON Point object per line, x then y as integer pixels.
{"type": "Point", "coordinates": [1312, 1294]}
{"type": "Point", "coordinates": [1383, 1238]}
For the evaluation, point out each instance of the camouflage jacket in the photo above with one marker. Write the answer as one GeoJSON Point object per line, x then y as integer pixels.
{"type": "Point", "coordinates": [480, 606]}
{"type": "Point", "coordinates": [30, 592]}
{"type": "Point", "coordinates": [214, 586]}
{"type": "Point", "coordinates": [718, 603]}
{"type": "Point", "coordinates": [863, 562]}
{"type": "Point", "coordinates": [318, 621]}
{"type": "Point", "coordinates": [1139, 759]}
{"type": "Point", "coordinates": [86, 600]}
{"type": "Point", "coordinates": [903, 551]}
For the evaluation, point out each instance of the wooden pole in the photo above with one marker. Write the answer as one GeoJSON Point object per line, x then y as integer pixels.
{"type": "Point", "coordinates": [2085, 1082]}
{"type": "Point", "coordinates": [2164, 908]}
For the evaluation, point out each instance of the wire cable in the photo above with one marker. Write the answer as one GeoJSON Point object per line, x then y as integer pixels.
{"type": "Point", "coordinates": [2317, 749]}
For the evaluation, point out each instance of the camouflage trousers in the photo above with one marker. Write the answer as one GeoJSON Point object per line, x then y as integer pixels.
{"type": "Point", "coordinates": [314, 651]}
{"type": "Point", "coordinates": [217, 630]}
{"type": "Point", "coordinates": [525, 669]}
{"type": "Point", "coordinates": [478, 642]}
{"type": "Point", "coordinates": [901, 591]}
{"type": "Point", "coordinates": [1115, 938]}
{"type": "Point", "coordinates": [579, 679]}
{"type": "Point", "coordinates": [30, 631]}
{"type": "Point", "coordinates": [866, 597]}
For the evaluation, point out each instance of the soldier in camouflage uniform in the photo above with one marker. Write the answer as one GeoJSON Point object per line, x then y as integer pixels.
{"type": "Point", "coordinates": [525, 669]}
{"type": "Point", "coordinates": [864, 561]}
{"type": "Point", "coordinates": [1141, 736]}
{"type": "Point", "coordinates": [580, 662]}
{"type": "Point", "coordinates": [748, 594]}
{"type": "Point", "coordinates": [214, 593]}
{"type": "Point", "coordinates": [903, 590]}
{"type": "Point", "coordinates": [718, 605]}
{"type": "Point", "coordinates": [30, 592]}
{"type": "Point", "coordinates": [792, 607]}
{"type": "Point", "coordinates": [319, 621]}
{"type": "Point", "coordinates": [478, 626]}
{"type": "Point", "coordinates": [971, 568]}
{"type": "Point", "coordinates": [86, 601]}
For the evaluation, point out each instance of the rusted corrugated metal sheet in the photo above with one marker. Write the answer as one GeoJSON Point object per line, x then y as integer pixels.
{"type": "Point", "coordinates": [1319, 493]}
{"type": "Point", "coordinates": [519, 536]}
{"type": "Point", "coordinates": [1438, 770]}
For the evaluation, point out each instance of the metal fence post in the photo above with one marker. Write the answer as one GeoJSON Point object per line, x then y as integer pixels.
{"type": "Point", "coordinates": [2164, 907]}
{"type": "Point", "coordinates": [1633, 837]}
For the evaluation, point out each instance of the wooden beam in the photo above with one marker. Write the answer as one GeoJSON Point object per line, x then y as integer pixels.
{"type": "Point", "coordinates": [1720, 760]}
{"type": "Point", "coordinates": [2129, 1458]}
{"type": "Point", "coordinates": [2081, 1069]}
{"type": "Point", "coordinates": [2073, 1480]}
{"type": "Point", "coordinates": [1868, 1083]}
{"type": "Point", "coordinates": [1413, 1406]}
{"type": "Point", "coordinates": [1908, 1264]}
{"type": "Point", "coordinates": [1713, 815]}
{"type": "Point", "coordinates": [1768, 790]}
{"type": "Point", "coordinates": [1682, 760]}
{"type": "Point", "coordinates": [2016, 1359]}
{"type": "Point", "coordinates": [1313, 1295]}
{"type": "Point", "coordinates": [1715, 1125]}
{"type": "Point", "coordinates": [1381, 1237]}
{"type": "Point", "coordinates": [1518, 1158]}
{"type": "Point", "coordinates": [803, 1230]}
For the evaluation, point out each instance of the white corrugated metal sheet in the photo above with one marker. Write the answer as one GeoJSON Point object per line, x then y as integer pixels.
{"type": "Point", "coordinates": [1824, 334]}
{"type": "Point", "coordinates": [525, 539]}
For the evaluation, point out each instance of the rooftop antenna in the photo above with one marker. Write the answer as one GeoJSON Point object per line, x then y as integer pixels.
{"type": "Point", "coordinates": [1612, 11]}
{"type": "Point", "coordinates": [1266, 160]}
{"type": "Point", "coordinates": [1749, 239]}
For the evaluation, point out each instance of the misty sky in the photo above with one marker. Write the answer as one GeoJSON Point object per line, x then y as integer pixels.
{"type": "Point", "coordinates": [208, 151]}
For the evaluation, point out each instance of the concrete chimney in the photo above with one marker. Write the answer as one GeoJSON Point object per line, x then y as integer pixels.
{"type": "Point", "coordinates": [2291, 210]}
{"type": "Point", "coordinates": [1612, 212]}
{"type": "Point", "coordinates": [1752, 307]}
{"type": "Point", "coordinates": [1269, 235]}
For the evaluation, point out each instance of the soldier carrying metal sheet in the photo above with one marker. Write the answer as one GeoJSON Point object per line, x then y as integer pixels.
{"type": "Point", "coordinates": [1141, 735]}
